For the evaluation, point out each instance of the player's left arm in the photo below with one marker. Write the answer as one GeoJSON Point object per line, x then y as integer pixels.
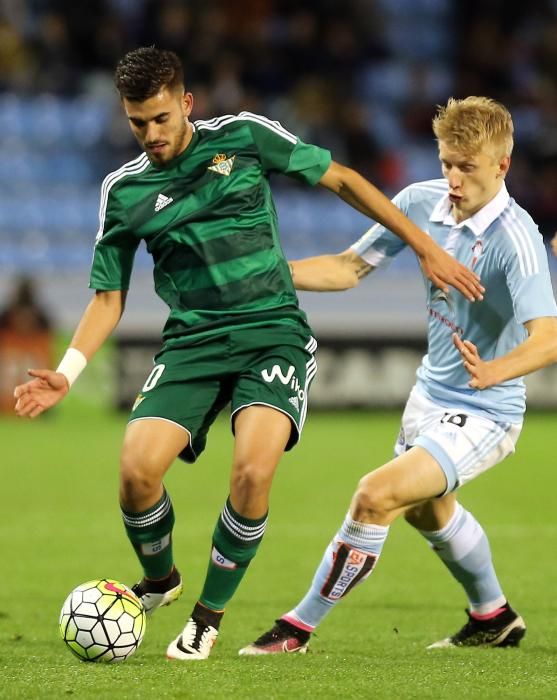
{"type": "Point", "coordinates": [440, 267]}
{"type": "Point", "coordinates": [537, 351]}
{"type": "Point", "coordinates": [329, 273]}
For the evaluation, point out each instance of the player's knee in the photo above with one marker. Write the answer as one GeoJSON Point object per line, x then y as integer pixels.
{"type": "Point", "coordinates": [250, 478]}
{"type": "Point", "coordinates": [372, 501]}
{"type": "Point", "coordinates": [139, 477]}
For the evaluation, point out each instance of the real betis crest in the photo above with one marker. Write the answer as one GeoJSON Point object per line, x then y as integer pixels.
{"type": "Point", "coordinates": [222, 165]}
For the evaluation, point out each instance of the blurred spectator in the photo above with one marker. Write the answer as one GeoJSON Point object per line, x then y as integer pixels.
{"type": "Point", "coordinates": [16, 57]}
{"type": "Point", "coordinates": [168, 23]}
{"type": "Point", "coordinates": [55, 54]}
{"type": "Point", "coordinates": [25, 340]}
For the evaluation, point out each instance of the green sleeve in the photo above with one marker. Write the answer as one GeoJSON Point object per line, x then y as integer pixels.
{"type": "Point", "coordinates": [115, 248]}
{"type": "Point", "coordinates": [281, 151]}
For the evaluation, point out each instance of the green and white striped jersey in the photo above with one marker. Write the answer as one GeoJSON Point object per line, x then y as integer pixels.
{"type": "Point", "coordinates": [209, 221]}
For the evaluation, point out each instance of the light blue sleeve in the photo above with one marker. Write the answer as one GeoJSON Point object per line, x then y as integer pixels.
{"type": "Point", "coordinates": [378, 246]}
{"type": "Point", "coordinates": [529, 281]}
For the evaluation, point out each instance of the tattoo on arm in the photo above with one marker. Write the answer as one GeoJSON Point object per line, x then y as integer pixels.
{"type": "Point", "coordinates": [291, 268]}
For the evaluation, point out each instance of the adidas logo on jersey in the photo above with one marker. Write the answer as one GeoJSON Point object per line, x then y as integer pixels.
{"type": "Point", "coordinates": [162, 202]}
{"type": "Point", "coordinates": [222, 165]}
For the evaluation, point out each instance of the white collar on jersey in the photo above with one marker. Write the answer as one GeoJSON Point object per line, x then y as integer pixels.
{"type": "Point", "coordinates": [481, 220]}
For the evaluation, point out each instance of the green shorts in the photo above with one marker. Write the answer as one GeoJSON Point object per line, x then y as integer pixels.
{"type": "Point", "coordinates": [271, 366]}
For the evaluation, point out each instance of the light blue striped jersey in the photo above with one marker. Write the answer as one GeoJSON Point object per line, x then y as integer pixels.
{"type": "Point", "coordinates": [502, 244]}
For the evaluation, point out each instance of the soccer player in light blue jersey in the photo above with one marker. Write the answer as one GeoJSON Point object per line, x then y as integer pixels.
{"type": "Point", "coordinates": [465, 412]}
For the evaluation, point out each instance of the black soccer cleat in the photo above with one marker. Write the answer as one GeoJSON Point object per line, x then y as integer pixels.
{"type": "Point", "coordinates": [283, 638]}
{"type": "Point", "coordinates": [156, 594]}
{"type": "Point", "coordinates": [504, 630]}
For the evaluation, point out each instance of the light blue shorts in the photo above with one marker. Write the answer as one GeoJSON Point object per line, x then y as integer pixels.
{"type": "Point", "coordinates": [465, 445]}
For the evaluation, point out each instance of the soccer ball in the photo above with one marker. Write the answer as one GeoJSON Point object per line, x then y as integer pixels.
{"type": "Point", "coordinates": [102, 620]}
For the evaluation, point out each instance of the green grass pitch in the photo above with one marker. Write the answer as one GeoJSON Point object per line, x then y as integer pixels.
{"type": "Point", "coordinates": [60, 526]}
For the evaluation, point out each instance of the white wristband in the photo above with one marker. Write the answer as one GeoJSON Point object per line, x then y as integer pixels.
{"type": "Point", "coordinates": [72, 365]}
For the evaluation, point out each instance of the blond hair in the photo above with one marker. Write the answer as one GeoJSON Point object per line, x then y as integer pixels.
{"type": "Point", "coordinates": [473, 123]}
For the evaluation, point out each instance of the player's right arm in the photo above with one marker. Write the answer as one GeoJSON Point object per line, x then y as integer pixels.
{"type": "Point", "coordinates": [48, 387]}
{"type": "Point", "coordinates": [329, 273]}
{"type": "Point", "coordinates": [115, 247]}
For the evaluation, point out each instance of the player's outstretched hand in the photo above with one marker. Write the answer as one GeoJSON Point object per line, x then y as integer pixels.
{"type": "Point", "coordinates": [554, 244]}
{"type": "Point", "coordinates": [45, 390]}
{"type": "Point", "coordinates": [442, 269]}
{"type": "Point", "coordinates": [479, 370]}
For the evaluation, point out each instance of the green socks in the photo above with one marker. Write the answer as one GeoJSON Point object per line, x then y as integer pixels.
{"type": "Point", "coordinates": [235, 542]}
{"type": "Point", "coordinates": [150, 533]}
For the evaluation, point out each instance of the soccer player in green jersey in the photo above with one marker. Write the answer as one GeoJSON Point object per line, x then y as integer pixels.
{"type": "Point", "coordinates": [199, 197]}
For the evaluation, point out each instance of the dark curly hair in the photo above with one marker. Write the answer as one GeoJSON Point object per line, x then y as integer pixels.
{"type": "Point", "coordinates": [143, 72]}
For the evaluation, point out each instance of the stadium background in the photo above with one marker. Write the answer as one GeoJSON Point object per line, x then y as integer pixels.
{"type": "Point", "coordinates": [361, 78]}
